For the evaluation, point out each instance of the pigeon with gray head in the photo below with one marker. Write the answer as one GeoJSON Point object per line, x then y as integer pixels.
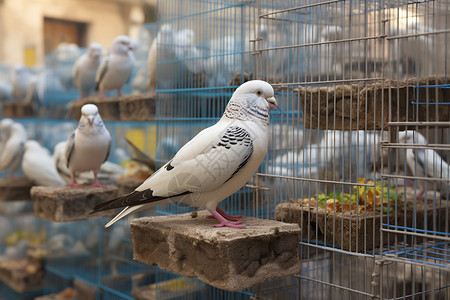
{"type": "Point", "coordinates": [216, 163]}
{"type": "Point", "coordinates": [116, 69]}
{"type": "Point", "coordinates": [88, 146]}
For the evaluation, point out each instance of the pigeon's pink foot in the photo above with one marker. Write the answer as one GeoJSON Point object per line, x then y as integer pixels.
{"type": "Point", "coordinates": [225, 215]}
{"type": "Point", "coordinates": [73, 183]}
{"type": "Point", "coordinates": [97, 184]}
{"type": "Point", "coordinates": [224, 222]}
{"type": "Point", "coordinates": [119, 92]}
{"type": "Point", "coordinates": [420, 195]}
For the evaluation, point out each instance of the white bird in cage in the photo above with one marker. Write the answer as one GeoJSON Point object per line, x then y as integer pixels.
{"type": "Point", "coordinates": [161, 43]}
{"type": "Point", "coordinates": [21, 81]}
{"type": "Point", "coordinates": [216, 163]}
{"type": "Point", "coordinates": [186, 51]}
{"type": "Point", "coordinates": [85, 69]}
{"type": "Point", "coordinates": [116, 69]}
{"type": "Point", "coordinates": [88, 146]}
{"type": "Point", "coordinates": [12, 153]}
{"type": "Point", "coordinates": [424, 162]}
{"type": "Point", "coordinates": [5, 130]}
{"type": "Point", "coordinates": [38, 166]}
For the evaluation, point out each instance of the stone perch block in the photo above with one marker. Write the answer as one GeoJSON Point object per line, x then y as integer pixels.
{"type": "Point", "coordinates": [16, 189]}
{"type": "Point", "coordinates": [227, 258]}
{"type": "Point", "coordinates": [64, 204]}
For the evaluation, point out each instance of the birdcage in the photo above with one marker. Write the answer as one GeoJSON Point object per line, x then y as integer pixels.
{"type": "Point", "coordinates": [361, 144]}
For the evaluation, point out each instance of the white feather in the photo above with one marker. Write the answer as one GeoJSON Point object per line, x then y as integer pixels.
{"type": "Point", "coordinates": [38, 165]}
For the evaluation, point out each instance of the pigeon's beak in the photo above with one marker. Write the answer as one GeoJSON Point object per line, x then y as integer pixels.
{"type": "Point", "coordinates": [91, 120]}
{"type": "Point", "coordinates": [272, 103]}
{"type": "Point", "coordinates": [130, 48]}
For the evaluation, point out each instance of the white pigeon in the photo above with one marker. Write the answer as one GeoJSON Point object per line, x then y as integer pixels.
{"type": "Point", "coordinates": [12, 153]}
{"type": "Point", "coordinates": [216, 163]}
{"type": "Point", "coordinates": [5, 130]}
{"type": "Point", "coordinates": [89, 145]}
{"type": "Point", "coordinates": [20, 82]}
{"type": "Point", "coordinates": [38, 166]}
{"type": "Point", "coordinates": [85, 69]}
{"type": "Point", "coordinates": [424, 162]}
{"type": "Point", "coordinates": [162, 42]}
{"type": "Point", "coordinates": [116, 69]}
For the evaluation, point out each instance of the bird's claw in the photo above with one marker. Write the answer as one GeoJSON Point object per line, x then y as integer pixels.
{"type": "Point", "coordinates": [230, 224]}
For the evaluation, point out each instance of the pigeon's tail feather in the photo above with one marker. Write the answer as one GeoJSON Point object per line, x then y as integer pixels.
{"type": "Point", "coordinates": [133, 199]}
{"type": "Point", "coordinates": [133, 209]}
{"type": "Point", "coordinates": [125, 212]}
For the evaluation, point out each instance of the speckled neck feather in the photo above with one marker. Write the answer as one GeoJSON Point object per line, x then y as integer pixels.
{"type": "Point", "coordinates": [243, 111]}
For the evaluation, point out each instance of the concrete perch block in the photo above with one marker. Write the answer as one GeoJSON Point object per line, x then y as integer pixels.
{"type": "Point", "coordinates": [226, 258]}
{"type": "Point", "coordinates": [16, 189]}
{"type": "Point", "coordinates": [64, 204]}
{"type": "Point", "coordinates": [17, 110]}
{"type": "Point", "coordinates": [138, 108]}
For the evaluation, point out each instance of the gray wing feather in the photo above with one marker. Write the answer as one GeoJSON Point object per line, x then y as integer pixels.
{"type": "Point", "coordinates": [101, 73]}
{"type": "Point", "coordinates": [109, 150]}
{"type": "Point", "coordinates": [70, 147]}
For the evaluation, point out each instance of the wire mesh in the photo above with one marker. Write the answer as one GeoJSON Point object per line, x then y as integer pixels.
{"type": "Point", "coordinates": [357, 79]}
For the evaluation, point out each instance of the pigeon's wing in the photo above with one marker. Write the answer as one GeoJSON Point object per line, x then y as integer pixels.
{"type": "Point", "coordinates": [432, 163]}
{"type": "Point", "coordinates": [76, 74]}
{"type": "Point", "coordinates": [69, 148]}
{"type": "Point", "coordinates": [39, 168]}
{"type": "Point", "coordinates": [109, 150]}
{"type": "Point", "coordinates": [141, 157]}
{"type": "Point", "coordinates": [103, 68]}
{"type": "Point", "coordinates": [206, 171]}
{"type": "Point", "coordinates": [151, 64]}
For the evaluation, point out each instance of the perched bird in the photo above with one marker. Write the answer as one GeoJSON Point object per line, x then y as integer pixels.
{"type": "Point", "coordinates": [162, 42]}
{"type": "Point", "coordinates": [85, 69]}
{"type": "Point", "coordinates": [115, 70]}
{"type": "Point", "coordinates": [217, 162]}
{"type": "Point", "coordinates": [424, 162]}
{"type": "Point", "coordinates": [89, 145]}
{"type": "Point", "coordinates": [108, 171]}
{"type": "Point", "coordinates": [20, 82]}
{"type": "Point", "coordinates": [5, 130]}
{"type": "Point", "coordinates": [38, 166]}
{"type": "Point", "coordinates": [11, 155]}
{"type": "Point", "coordinates": [6, 90]}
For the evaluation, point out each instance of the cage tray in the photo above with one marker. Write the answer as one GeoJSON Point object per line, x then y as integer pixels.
{"type": "Point", "coordinates": [64, 204]}
{"type": "Point", "coordinates": [354, 107]}
{"type": "Point", "coordinates": [227, 258]}
{"type": "Point", "coordinates": [357, 232]}
{"type": "Point", "coordinates": [15, 189]}
{"type": "Point", "coordinates": [17, 110]}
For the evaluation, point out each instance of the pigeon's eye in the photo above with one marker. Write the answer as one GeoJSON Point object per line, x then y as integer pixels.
{"type": "Point", "coordinates": [259, 93]}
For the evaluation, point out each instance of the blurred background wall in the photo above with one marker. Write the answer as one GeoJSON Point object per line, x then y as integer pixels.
{"type": "Point", "coordinates": [29, 29]}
